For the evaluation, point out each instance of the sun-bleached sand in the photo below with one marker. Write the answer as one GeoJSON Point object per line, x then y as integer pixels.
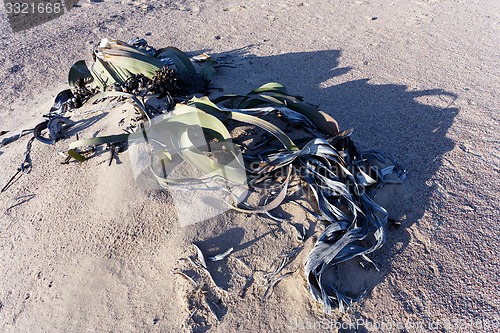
{"type": "Point", "coordinates": [90, 250]}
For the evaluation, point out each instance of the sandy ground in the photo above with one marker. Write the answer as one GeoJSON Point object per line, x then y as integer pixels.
{"type": "Point", "coordinates": [92, 251]}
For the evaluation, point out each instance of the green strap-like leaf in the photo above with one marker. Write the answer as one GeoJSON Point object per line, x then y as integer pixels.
{"type": "Point", "coordinates": [94, 142]}
{"type": "Point", "coordinates": [133, 62]}
{"type": "Point", "coordinates": [103, 75]}
{"type": "Point", "coordinates": [204, 103]}
{"type": "Point", "coordinates": [270, 87]}
{"type": "Point", "coordinates": [181, 61]}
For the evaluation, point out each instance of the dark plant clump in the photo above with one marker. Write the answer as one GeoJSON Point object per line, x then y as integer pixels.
{"type": "Point", "coordinates": [165, 81]}
{"type": "Point", "coordinates": [133, 84]}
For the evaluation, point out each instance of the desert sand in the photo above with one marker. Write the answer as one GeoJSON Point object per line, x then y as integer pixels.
{"type": "Point", "coordinates": [90, 250]}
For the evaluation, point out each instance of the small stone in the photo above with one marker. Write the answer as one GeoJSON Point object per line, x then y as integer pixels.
{"type": "Point", "coordinates": [147, 8]}
{"type": "Point", "coordinates": [218, 37]}
{"type": "Point", "coordinates": [15, 69]}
